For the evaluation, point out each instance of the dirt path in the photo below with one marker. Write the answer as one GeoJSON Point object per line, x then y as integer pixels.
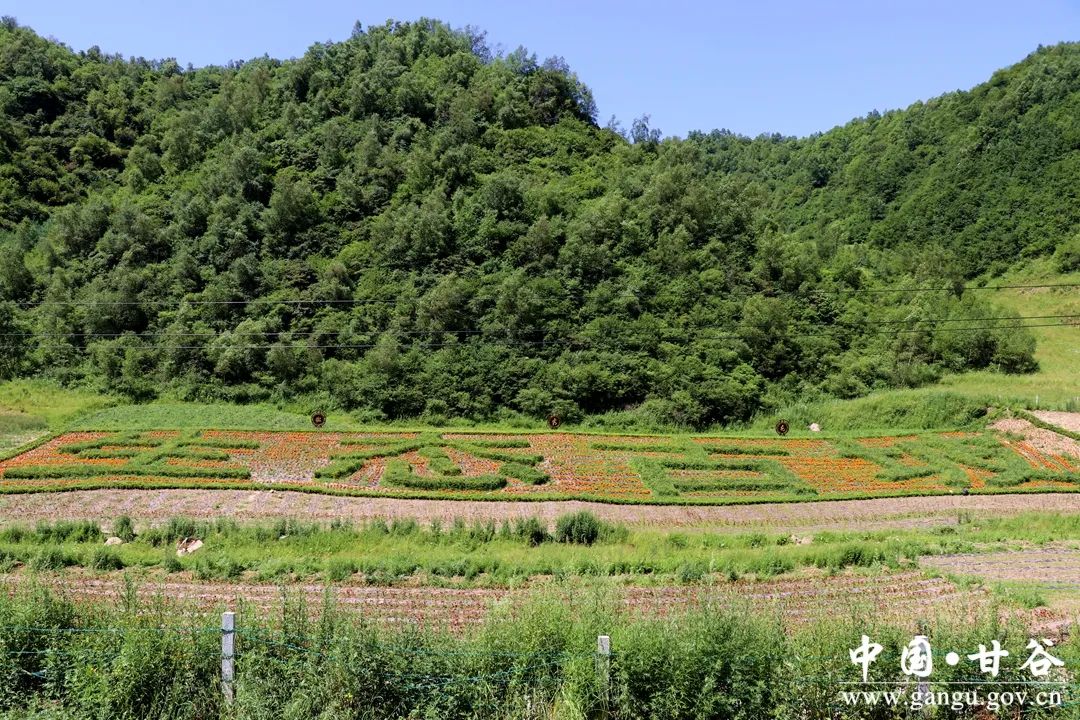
{"type": "Point", "coordinates": [158, 505]}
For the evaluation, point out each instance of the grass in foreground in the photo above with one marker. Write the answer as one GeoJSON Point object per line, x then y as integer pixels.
{"type": "Point", "coordinates": [535, 659]}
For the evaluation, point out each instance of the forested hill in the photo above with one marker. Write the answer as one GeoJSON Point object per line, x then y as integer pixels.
{"type": "Point", "coordinates": [403, 224]}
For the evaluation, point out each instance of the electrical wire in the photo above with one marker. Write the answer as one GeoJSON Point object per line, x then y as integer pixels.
{"type": "Point", "coordinates": [477, 331]}
{"type": "Point", "coordinates": [556, 341]}
{"type": "Point", "coordinates": [352, 301]}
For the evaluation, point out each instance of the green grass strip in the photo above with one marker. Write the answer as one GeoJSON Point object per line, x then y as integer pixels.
{"type": "Point", "coordinates": [221, 444]}
{"type": "Point", "coordinates": [509, 443]}
{"type": "Point", "coordinates": [346, 464]}
{"type": "Point", "coordinates": [906, 473]}
{"type": "Point", "coordinates": [398, 473]}
{"type": "Point", "coordinates": [738, 484]}
{"type": "Point", "coordinates": [136, 440]}
{"type": "Point", "coordinates": [654, 477]}
{"type": "Point", "coordinates": [528, 459]}
{"type": "Point", "coordinates": [524, 473]}
{"type": "Point", "coordinates": [636, 447]}
{"type": "Point", "coordinates": [438, 461]}
{"type": "Point", "coordinates": [39, 472]}
{"type": "Point", "coordinates": [744, 450]}
{"type": "Point", "coordinates": [102, 454]}
{"type": "Point", "coordinates": [1014, 478]}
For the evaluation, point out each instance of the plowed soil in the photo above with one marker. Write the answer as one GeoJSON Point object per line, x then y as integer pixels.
{"type": "Point", "coordinates": [153, 506]}
{"type": "Point", "coordinates": [902, 596]}
{"type": "Point", "coordinates": [1058, 568]}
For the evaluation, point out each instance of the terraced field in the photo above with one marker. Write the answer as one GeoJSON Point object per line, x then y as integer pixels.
{"type": "Point", "coordinates": [683, 470]}
{"type": "Point", "coordinates": [901, 597]}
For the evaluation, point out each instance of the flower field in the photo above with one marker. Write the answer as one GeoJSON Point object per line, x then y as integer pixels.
{"type": "Point", "coordinates": [683, 469]}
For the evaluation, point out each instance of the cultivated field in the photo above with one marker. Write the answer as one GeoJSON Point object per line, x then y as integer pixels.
{"type": "Point", "coordinates": [902, 598]}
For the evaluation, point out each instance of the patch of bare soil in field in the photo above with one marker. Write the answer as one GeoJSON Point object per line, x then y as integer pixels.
{"type": "Point", "coordinates": [1050, 567]}
{"type": "Point", "coordinates": [1054, 570]}
{"type": "Point", "coordinates": [1067, 420]}
{"type": "Point", "coordinates": [903, 597]}
{"type": "Point", "coordinates": [1044, 441]}
{"type": "Point", "coordinates": [155, 506]}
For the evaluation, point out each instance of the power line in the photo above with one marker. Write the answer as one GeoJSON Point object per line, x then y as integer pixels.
{"type": "Point", "coordinates": [478, 331]}
{"type": "Point", "coordinates": [352, 301]}
{"type": "Point", "coordinates": [558, 341]}
{"type": "Point", "coordinates": [950, 289]}
{"type": "Point", "coordinates": [921, 330]}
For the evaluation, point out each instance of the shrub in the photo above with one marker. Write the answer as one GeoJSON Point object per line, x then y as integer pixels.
{"type": "Point", "coordinates": [123, 528]}
{"type": "Point", "coordinates": [531, 530]}
{"type": "Point", "coordinates": [51, 558]}
{"type": "Point", "coordinates": [105, 559]}
{"type": "Point", "coordinates": [404, 526]}
{"type": "Point", "coordinates": [581, 528]}
{"type": "Point", "coordinates": [1067, 255]}
{"type": "Point", "coordinates": [175, 529]}
{"type": "Point", "coordinates": [398, 473]}
{"type": "Point", "coordinates": [210, 568]}
{"type": "Point", "coordinates": [692, 572]}
{"type": "Point", "coordinates": [338, 570]}
{"type": "Point", "coordinates": [69, 531]}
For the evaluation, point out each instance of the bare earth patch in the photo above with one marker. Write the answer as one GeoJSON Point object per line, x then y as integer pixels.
{"type": "Point", "coordinates": [1045, 441]}
{"type": "Point", "coordinates": [1067, 420]}
{"type": "Point", "coordinates": [903, 597]}
{"type": "Point", "coordinates": [1054, 570]}
{"type": "Point", "coordinates": [155, 506]}
{"type": "Point", "coordinates": [1051, 567]}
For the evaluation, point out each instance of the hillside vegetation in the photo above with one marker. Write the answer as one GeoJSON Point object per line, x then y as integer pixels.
{"type": "Point", "coordinates": [406, 225]}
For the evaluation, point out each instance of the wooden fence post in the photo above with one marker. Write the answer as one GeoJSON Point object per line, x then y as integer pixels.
{"type": "Point", "coordinates": [228, 657]}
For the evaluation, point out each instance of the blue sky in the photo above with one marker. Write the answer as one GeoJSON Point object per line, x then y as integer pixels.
{"type": "Point", "coordinates": [752, 67]}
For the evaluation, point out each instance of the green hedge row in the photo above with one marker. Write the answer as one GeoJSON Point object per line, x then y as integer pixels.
{"type": "Point", "coordinates": [40, 472]}
{"type": "Point", "coordinates": [636, 447]}
{"type": "Point", "coordinates": [524, 473]}
{"type": "Point", "coordinates": [744, 450]}
{"type": "Point", "coordinates": [737, 484]}
{"type": "Point", "coordinates": [438, 461]}
{"type": "Point", "coordinates": [398, 473]}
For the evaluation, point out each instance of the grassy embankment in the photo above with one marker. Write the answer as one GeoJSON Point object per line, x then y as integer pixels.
{"type": "Point", "coordinates": [504, 554]}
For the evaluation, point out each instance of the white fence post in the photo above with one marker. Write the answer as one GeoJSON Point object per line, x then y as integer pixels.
{"type": "Point", "coordinates": [228, 646]}
{"type": "Point", "coordinates": [603, 670]}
